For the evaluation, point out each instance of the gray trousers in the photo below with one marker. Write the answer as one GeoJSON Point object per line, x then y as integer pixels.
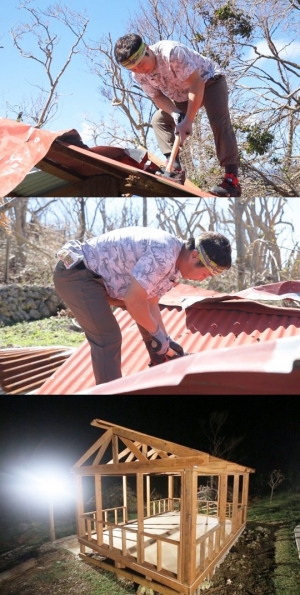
{"type": "Point", "coordinates": [87, 298]}
{"type": "Point", "coordinates": [215, 102]}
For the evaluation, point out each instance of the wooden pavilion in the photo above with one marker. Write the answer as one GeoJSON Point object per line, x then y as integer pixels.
{"type": "Point", "coordinates": [171, 544]}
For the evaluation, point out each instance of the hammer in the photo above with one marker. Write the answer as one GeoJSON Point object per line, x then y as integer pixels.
{"type": "Point", "coordinates": [169, 166]}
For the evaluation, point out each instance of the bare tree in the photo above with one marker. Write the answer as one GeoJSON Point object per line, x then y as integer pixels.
{"type": "Point", "coordinates": [38, 40]}
{"type": "Point", "coordinates": [118, 88]}
{"type": "Point", "coordinates": [265, 87]}
{"type": "Point", "coordinates": [276, 477]}
{"type": "Point", "coordinates": [219, 444]}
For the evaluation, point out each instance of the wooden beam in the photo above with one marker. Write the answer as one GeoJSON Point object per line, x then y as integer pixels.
{"type": "Point", "coordinates": [170, 465]}
{"type": "Point", "coordinates": [103, 447]}
{"type": "Point", "coordinates": [55, 169]}
{"type": "Point", "coordinates": [92, 450]}
{"type": "Point", "coordinates": [136, 451]}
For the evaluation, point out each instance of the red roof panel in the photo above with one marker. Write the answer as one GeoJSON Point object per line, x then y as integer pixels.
{"type": "Point", "coordinates": [203, 322]}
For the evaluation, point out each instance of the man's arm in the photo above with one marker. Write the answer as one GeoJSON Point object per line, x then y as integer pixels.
{"type": "Point", "coordinates": [195, 99]}
{"type": "Point", "coordinates": [144, 311]}
{"type": "Point", "coordinates": [196, 87]}
{"type": "Point", "coordinates": [164, 103]}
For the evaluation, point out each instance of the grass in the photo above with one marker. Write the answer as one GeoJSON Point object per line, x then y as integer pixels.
{"type": "Point", "coordinates": [284, 510]}
{"type": "Point", "coordinates": [47, 332]}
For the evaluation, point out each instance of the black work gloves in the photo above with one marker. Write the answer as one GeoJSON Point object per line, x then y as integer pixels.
{"type": "Point", "coordinates": [160, 353]}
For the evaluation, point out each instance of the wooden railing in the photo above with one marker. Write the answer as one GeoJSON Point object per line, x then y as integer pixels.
{"type": "Point", "coordinates": [162, 505]}
{"type": "Point", "coordinates": [208, 546]}
{"type": "Point", "coordinates": [115, 512]}
{"type": "Point", "coordinates": [142, 539]}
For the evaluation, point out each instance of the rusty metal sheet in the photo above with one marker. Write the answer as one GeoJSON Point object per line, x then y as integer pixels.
{"type": "Point", "coordinates": [23, 147]}
{"type": "Point", "coordinates": [23, 370]}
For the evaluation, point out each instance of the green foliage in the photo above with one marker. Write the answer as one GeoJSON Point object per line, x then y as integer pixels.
{"type": "Point", "coordinates": [258, 140]}
{"type": "Point", "coordinates": [199, 38]}
{"type": "Point", "coordinates": [235, 21]}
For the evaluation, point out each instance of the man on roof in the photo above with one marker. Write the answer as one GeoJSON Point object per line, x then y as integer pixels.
{"type": "Point", "coordinates": [132, 267]}
{"type": "Point", "coordinates": [180, 81]}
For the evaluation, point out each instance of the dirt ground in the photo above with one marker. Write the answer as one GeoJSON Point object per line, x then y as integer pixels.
{"type": "Point", "coordinates": [247, 570]}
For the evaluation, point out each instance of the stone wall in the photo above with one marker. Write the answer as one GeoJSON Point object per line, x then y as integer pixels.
{"type": "Point", "coordinates": [28, 302]}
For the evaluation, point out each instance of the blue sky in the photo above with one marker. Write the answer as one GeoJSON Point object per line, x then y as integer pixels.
{"type": "Point", "coordinates": [79, 88]}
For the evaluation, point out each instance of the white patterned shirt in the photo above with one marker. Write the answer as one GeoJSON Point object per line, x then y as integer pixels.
{"type": "Point", "coordinates": [175, 62]}
{"type": "Point", "coordinates": [145, 254]}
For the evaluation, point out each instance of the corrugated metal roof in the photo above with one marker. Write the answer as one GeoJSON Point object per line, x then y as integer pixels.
{"type": "Point", "coordinates": [23, 370]}
{"type": "Point", "coordinates": [203, 322]}
{"type": "Point", "coordinates": [37, 182]}
{"type": "Point", "coordinates": [72, 170]}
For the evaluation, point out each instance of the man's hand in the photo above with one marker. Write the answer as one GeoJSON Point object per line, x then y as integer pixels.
{"type": "Point", "coordinates": [175, 347]}
{"type": "Point", "coordinates": [178, 117]}
{"type": "Point", "coordinates": [160, 342]}
{"type": "Point", "coordinates": [184, 129]}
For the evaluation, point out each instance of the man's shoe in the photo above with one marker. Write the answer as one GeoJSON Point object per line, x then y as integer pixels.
{"type": "Point", "coordinates": [229, 186]}
{"type": "Point", "coordinates": [177, 175]}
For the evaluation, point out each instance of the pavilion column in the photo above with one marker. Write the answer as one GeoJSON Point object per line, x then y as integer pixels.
{"type": "Point", "coordinates": [140, 517]}
{"type": "Point", "coordinates": [99, 508]}
{"type": "Point", "coordinates": [188, 520]}
{"type": "Point", "coordinates": [125, 500]}
{"type": "Point", "coordinates": [222, 502]}
{"type": "Point", "coordinates": [235, 504]}
{"type": "Point", "coordinates": [148, 492]}
{"type": "Point", "coordinates": [170, 492]}
{"type": "Point", "coordinates": [245, 491]}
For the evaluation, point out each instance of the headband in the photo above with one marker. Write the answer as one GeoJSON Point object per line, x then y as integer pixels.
{"type": "Point", "coordinates": [212, 267]}
{"type": "Point", "coordinates": [135, 58]}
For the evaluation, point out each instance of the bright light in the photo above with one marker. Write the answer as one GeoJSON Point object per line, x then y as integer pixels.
{"type": "Point", "coordinates": [51, 485]}
{"type": "Point", "coordinates": [45, 483]}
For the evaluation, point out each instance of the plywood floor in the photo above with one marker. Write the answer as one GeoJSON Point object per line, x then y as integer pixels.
{"type": "Point", "coordinates": [168, 525]}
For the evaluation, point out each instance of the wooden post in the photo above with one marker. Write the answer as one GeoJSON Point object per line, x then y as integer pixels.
{"type": "Point", "coordinates": [125, 500]}
{"type": "Point", "coordinates": [170, 492]}
{"type": "Point", "coordinates": [140, 517]}
{"type": "Point", "coordinates": [245, 495]}
{"type": "Point", "coordinates": [235, 503]}
{"type": "Point", "coordinates": [188, 520]}
{"type": "Point", "coordinates": [148, 492]}
{"type": "Point", "coordinates": [99, 508]}
{"type": "Point", "coordinates": [223, 482]}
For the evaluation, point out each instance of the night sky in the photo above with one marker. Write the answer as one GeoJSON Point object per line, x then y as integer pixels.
{"type": "Point", "coordinates": [40, 429]}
